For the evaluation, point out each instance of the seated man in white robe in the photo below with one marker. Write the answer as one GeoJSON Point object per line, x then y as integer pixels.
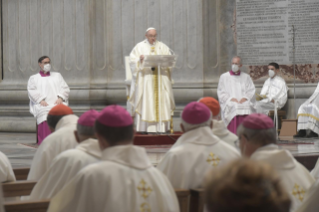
{"type": "Point", "coordinates": [46, 89]}
{"type": "Point", "coordinates": [62, 122]}
{"type": "Point", "coordinates": [308, 117]}
{"type": "Point", "coordinates": [67, 164]}
{"type": "Point", "coordinates": [257, 137]}
{"type": "Point", "coordinates": [196, 151]}
{"type": "Point", "coordinates": [124, 179]}
{"type": "Point", "coordinates": [6, 171]}
{"type": "Point", "coordinates": [219, 127]}
{"type": "Point", "coordinates": [149, 105]}
{"type": "Point", "coordinates": [273, 93]}
{"type": "Point", "coordinates": [236, 93]}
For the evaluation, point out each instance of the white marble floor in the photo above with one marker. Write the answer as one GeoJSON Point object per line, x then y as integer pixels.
{"type": "Point", "coordinates": [19, 155]}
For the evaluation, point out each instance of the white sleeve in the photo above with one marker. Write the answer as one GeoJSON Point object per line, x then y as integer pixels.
{"type": "Point", "coordinates": [64, 89]}
{"type": "Point", "coordinates": [34, 94]}
{"type": "Point", "coordinates": [223, 95]}
{"type": "Point", "coordinates": [250, 89]}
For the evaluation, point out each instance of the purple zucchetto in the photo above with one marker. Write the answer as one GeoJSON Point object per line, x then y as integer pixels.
{"type": "Point", "coordinates": [196, 113]}
{"type": "Point", "coordinates": [88, 118]}
{"type": "Point", "coordinates": [257, 121]}
{"type": "Point", "coordinates": [115, 116]}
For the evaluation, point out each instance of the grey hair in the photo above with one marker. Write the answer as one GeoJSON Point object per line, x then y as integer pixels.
{"type": "Point", "coordinates": [85, 130]}
{"type": "Point", "coordinates": [261, 137]}
{"type": "Point", "coordinates": [241, 61]}
{"type": "Point", "coordinates": [188, 127]}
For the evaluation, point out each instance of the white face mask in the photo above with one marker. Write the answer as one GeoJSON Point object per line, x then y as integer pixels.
{"type": "Point", "coordinates": [47, 67]}
{"type": "Point", "coordinates": [235, 68]}
{"type": "Point", "coordinates": [271, 73]}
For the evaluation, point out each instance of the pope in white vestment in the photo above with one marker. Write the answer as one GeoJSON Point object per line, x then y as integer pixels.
{"type": "Point", "coordinates": [258, 141]}
{"type": "Point", "coordinates": [67, 164]}
{"type": "Point", "coordinates": [197, 151]}
{"type": "Point", "coordinates": [273, 92]}
{"type": "Point", "coordinates": [235, 94]}
{"type": "Point", "coordinates": [60, 140]}
{"type": "Point", "coordinates": [150, 107]}
{"type": "Point", "coordinates": [46, 89]}
{"type": "Point", "coordinates": [6, 171]}
{"type": "Point", "coordinates": [308, 116]}
{"type": "Point", "coordinates": [124, 179]}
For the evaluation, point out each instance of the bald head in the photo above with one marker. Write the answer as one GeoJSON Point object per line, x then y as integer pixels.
{"type": "Point", "coordinates": [151, 35]}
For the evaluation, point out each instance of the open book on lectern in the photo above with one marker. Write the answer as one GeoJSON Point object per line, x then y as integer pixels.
{"type": "Point", "coordinates": [164, 61]}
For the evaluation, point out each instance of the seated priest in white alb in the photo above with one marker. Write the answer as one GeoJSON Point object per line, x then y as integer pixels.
{"type": "Point", "coordinates": [311, 203]}
{"type": "Point", "coordinates": [196, 151]}
{"type": "Point", "coordinates": [124, 179]}
{"type": "Point", "coordinates": [62, 123]}
{"type": "Point", "coordinates": [150, 106]}
{"type": "Point", "coordinates": [236, 93]}
{"type": "Point", "coordinates": [257, 140]}
{"type": "Point", "coordinates": [46, 89]}
{"type": "Point", "coordinates": [67, 164]}
{"type": "Point", "coordinates": [273, 93]}
{"type": "Point", "coordinates": [308, 117]}
{"type": "Point", "coordinates": [219, 127]}
{"type": "Point", "coordinates": [6, 171]}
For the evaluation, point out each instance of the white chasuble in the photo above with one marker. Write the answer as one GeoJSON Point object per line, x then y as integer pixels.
{"type": "Point", "coordinates": [124, 180]}
{"type": "Point", "coordinates": [6, 171]}
{"type": "Point", "coordinates": [149, 105]}
{"type": "Point", "coordinates": [275, 89]}
{"type": "Point", "coordinates": [238, 87]}
{"type": "Point", "coordinates": [294, 176]}
{"type": "Point", "coordinates": [311, 203]}
{"type": "Point", "coordinates": [47, 88]}
{"type": "Point", "coordinates": [64, 167]}
{"type": "Point", "coordinates": [60, 140]}
{"type": "Point", "coordinates": [195, 152]}
{"type": "Point", "coordinates": [308, 113]}
{"type": "Point", "coordinates": [220, 130]}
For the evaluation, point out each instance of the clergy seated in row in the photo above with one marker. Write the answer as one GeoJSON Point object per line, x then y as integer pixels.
{"type": "Point", "coordinates": [219, 127]}
{"type": "Point", "coordinates": [67, 164]}
{"type": "Point", "coordinates": [273, 94]}
{"type": "Point", "coordinates": [124, 179]}
{"type": "Point", "coordinates": [236, 92]}
{"type": "Point", "coordinates": [245, 185]}
{"type": "Point", "coordinates": [311, 203]}
{"type": "Point", "coordinates": [46, 89]}
{"type": "Point", "coordinates": [308, 117]}
{"type": "Point", "coordinates": [196, 151]}
{"type": "Point", "coordinates": [6, 171]}
{"type": "Point", "coordinates": [144, 94]}
{"type": "Point", "coordinates": [62, 123]}
{"type": "Point", "coordinates": [257, 140]}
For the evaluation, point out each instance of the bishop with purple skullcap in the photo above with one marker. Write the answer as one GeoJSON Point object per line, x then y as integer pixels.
{"type": "Point", "coordinates": [88, 118]}
{"type": "Point", "coordinates": [115, 116]}
{"type": "Point", "coordinates": [196, 113]}
{"type": "Point", "coordinates": [257, 121]}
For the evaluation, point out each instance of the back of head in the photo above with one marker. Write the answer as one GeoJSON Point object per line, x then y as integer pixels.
{"type": "Point", "coordinates": [258, 129]}
{"type": "Point", "coordinates": [195, 115]}
{"type": "Point", "coordinates": [245, 186]}
{"type": "Point", "coordinates": [114, 126]}
{"type": "Point", "coordinates": [213, 105]}
{"type": "Point", "coordinates": [56, 114]}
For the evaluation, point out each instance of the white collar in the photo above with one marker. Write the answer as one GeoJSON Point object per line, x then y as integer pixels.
{"type": "Point", "coordinates": [91, 147]}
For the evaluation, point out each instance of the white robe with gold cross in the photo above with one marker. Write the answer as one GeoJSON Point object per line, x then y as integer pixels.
{"type": "Point", "coordinates": [124, 180]}
{"type": "Point", "coordinates": [64, 167]}
{"type": "Point", "coordinates": [308, 113]}
{"type": "Point", "coordinates": [294, 176]}
{"type": "Point", "coordinates": [195, 152]}
{"type": "Point", "coordinates": [311, 203]}
{"type": "Point", "coordinates": [149, 106]}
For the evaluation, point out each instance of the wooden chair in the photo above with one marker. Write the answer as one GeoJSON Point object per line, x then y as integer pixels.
{"type": "Point", "coordinates": [21, 173]}
{"type": "Point", "coordinates": [27, 206]}
{"type": "Point", "coordinates": [19, 188]}
{"type": "Point", "coordinates": [281, 115]}
{"type": "Point", "coordinates": [183, 199]}
{"type": "Point", "coordinates": [197, 200]}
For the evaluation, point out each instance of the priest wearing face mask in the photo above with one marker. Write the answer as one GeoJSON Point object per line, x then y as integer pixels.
{"type": "Point", "coordinates": [150, 106]}
{"type": "Point", "coordinates": [45, 90]}
{"type": "Point", "coordinates": [235, 93]}
{"type": "Point", "coordinates": [274, 92]}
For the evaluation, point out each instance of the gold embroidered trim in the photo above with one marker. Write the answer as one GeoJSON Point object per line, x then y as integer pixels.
{"type": "Point", "coordinates": [308, 115]}
{"type": "Point", "coordinates": [298, 192]}
{"type": "Point", "coordinates": [155, 94]}
{"type": "Point", "coordinates": [213, 159]}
